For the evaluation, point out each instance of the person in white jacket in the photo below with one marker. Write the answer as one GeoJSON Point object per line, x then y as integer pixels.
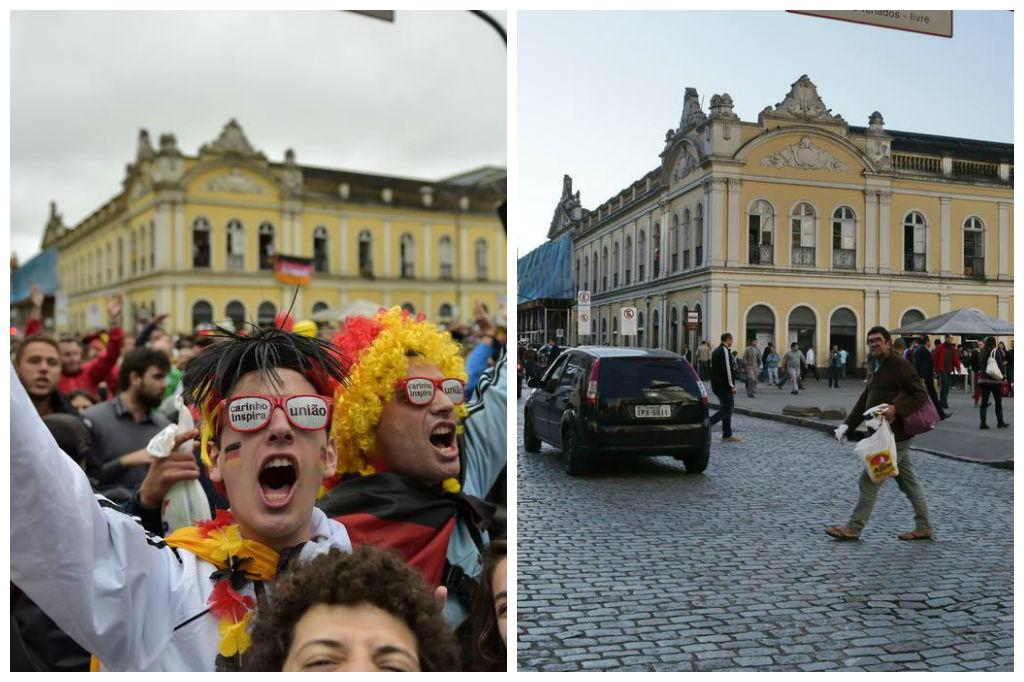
{"type": "Point", "coordinates": [142, 603]}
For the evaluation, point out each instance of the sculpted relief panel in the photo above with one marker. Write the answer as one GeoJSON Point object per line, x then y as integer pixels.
{"type": "Point", "coordinates": [234, 181]}
{"type": "Point", "coordinates": [804, 155]}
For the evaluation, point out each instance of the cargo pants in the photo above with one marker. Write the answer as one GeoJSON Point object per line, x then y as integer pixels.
{"type": "Point", "coordinates": [907, 482]}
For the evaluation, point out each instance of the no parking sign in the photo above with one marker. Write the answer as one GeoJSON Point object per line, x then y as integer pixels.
{"type": "Point", "coordinates": [583, 320]}
{"type": "Point", "coordinates": [627, 321]}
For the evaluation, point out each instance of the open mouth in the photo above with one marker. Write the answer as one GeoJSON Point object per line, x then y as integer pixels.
{"type": "Point", "coordinates": [443, 436]}
{"type": "Point", "coordinates": [277, 481]}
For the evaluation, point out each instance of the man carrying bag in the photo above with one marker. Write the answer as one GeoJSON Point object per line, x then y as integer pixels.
{"type": "Point", "coordinates": [893, 383]}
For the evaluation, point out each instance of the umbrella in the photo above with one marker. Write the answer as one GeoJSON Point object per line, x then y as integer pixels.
{"type": "Point", "coordinates": [960, 322]}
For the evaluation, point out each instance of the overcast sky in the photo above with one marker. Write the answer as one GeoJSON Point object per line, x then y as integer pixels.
{"type": "Point", "coordinates": [423, 97]}
{"type": "Point", "coordinates": [598, 90]}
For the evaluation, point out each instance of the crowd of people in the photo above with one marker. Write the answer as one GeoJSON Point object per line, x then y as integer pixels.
{"type": "Point", "coordinates": [358, 527]}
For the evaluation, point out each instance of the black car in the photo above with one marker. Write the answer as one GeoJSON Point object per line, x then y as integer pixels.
{"type": "Point", "coordinates": [619, 401]}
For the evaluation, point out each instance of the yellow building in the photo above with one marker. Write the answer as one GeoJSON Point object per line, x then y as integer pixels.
{"type": "Point", "coordinates": [195, 237]}
{"type": "Point", "coordinates": [798, 227]}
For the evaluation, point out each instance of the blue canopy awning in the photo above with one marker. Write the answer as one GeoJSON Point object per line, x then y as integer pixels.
{"type": "Point", "coordinates": [41, 270]}
{"type": "Point", "coordinates": [546, 272]}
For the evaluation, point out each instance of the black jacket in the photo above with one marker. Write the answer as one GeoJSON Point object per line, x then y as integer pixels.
{"type": "Point", "coordinates": [923, 363]}
{"type": "Point", "coordinates": [721, 372]}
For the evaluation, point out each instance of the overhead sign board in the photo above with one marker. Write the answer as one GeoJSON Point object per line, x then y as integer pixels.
{"type": "Point", "coordinates": [627, 321]}
{"type": "Point", "coordinates": [927, 21]}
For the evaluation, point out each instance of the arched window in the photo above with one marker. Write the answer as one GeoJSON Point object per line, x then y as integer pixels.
{"type": "Point", "coordinates": [152, 244]}
{"type": "Point", "coordinates": [615, 264]}
{"type": "Point", "coordinates": [110, 265]}
{"type": "Point", "coordinates": [655, 329]}
{"type": "Point", "coordinates": [974, 248]}
{"type": "Point", "coordinates": [577, 281]}
{"type": "Point", "coordinates": [482, 258]}
{"type": "Point", "coordinates": [615, 330]}
{"type": "Point", "coordinates": [844, 239]}
{"type": "Point", "coordinates": [911, 317]}
{"type": "Point", "coordinates": [236, 245]}
{"type": "Point", "coordinates": [266, 246]}
{"type": "Point", "coordinates": [365, 254]}
{"type": "Point", "coordinates": [321, 262]}
{"type": "Point", "coordinates": [842, 332]}
{"type": "Point", "coordinates": [120, 258]}
{"type": "Point", "coordinates": [200, 243]}
{"type": "Point", "coordinates": [132, 250]}
{"type": "Point", "coordinates": [202, 313]}
{"type": "Point", "coordinates": [444, 313]}
{"type": "Point", "coordinates": [802, 223]}
{"type": "Point", "coordinates": [802, 327]}
{"type": "Point", "coordinates": [760, 324]}
{"type": "Point", "coordinates": [674, 331]}
{"type": "Point", "coordinates": [628, 259]}
{"type": "Point", "coordinates": [593, 281]}
{"type": "Point", "coordinates": [639, 329]}
{"type": "Point", "coordinates": [318, 306]}
{"type": "Point", "coordinates": [446, 256]}
{"type": "Point", "coordinates": [586, 272]}
{"type": "Point", "coordinates": [235, 311]}
{"type": "Point", "coordinates": [915, 241]}
{"type": "Point", "coordinates": [604, 269]}
{"type": "Point", "coordinates": [407, 255]}
{"type": "Point", "coordinates": [674, 238]}
{"type": "Point", "coordinates": [656, 250]}
{"type": "Point", "coordinates": [265, 314]}
{"type": "Point", "coordinates": [698, 225]}
{"type": "Point", "coordinates": [142, 249]}
{"type": "Point", "coordinates": [686, 239]}
{"type": "Point", "coordinates": [641, 256]}
{"type": "Point", "coordinates": [760, 230]}
{"type": "Point", "coordinates": [604, 331]}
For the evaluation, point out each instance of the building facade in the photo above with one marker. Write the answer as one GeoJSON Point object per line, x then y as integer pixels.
{"type": "Point", "coordinates": [195, 237]}
{"type": "Point", "coordinates": [798, 227]}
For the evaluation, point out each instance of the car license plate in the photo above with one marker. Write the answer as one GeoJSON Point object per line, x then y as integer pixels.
{"type": "Point", "coordinates": [652, 411]}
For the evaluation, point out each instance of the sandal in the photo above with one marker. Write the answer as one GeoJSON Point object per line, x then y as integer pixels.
{"type": "Point", "coordinates": [842, 533]}
{"type": "Point", "coordinates": [916, 535]}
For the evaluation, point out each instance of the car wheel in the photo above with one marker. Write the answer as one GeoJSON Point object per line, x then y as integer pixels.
{"type": "Point", "coordinates": [530, 441]}
{"type": "Point", "coordinates": [696, 462]}
{"type": "Point", "coordinates": [574, 465]}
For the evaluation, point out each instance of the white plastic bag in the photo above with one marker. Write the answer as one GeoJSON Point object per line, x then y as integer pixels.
{"type": "Point", "coordinates": [185, 503]}
{"type": "Point", "coordinates": [878, 451]}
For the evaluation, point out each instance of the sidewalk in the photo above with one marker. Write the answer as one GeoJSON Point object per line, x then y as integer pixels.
{"type": "Point", "coordinates": [957, 437]}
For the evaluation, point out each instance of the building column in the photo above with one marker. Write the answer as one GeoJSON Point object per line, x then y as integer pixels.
{"type": "Point", "coordinates": [945, 246]}
{"type": "Point", "coordinates": [425, 272]}
{"type": "Point", "coordinates": [340, 264]}
{"type": "Point", "coordinates": [734, 222]}
{"type": "Point", "coordinates": [715, 233]}
{"type": "Point", "coordinates": [883, 309]}
{"type": "Point", "coordinates": [870, 231]}
{"type": "Point", "coordinates": [1004, 241]}
{"type": "Point", "coordinates": [179, 313]}
{"type": "Point", "coordinates": [713, 328]}
{"type": "Point", "coordinates": [386, 243]}
{"type": "Point", "coordinates": [732, 302]}
{"type": "Point", "coordinates": [1002, 307]}
{"type": "Point", "coordinates": [944, 302]}
{"type": "Point", "coordinates": [884, 262]}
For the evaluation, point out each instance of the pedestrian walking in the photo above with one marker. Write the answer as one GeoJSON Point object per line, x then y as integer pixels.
{"type": "Point", "coordinates": [791, 364]}
{"type": "Point", "coordinates": [752, 358]}
{"type": "Point", "coordinates": [687, 353]}
{"type": "Point", "coordinates": [922, 361]}
{"type": "Point", "coordinates": [894, 383]}
{"type": "Point", "coordinates": [811, 367]}
{"type": "Point", "coordinates": [834, 367]}
{"type": "Point", "coordinates": [771, 363]}
{"type": "Point", "coordinates": [843, 355]}
{"type": "Point", "coordinates": [724, 387]}
{"type": "Point", "coordinates": [946, 361]}
{"type": "Point", "coordinates": [991, 380]}
{"type": "Point", "coordinates": [764, 363]}
{"type": "Point", "coordinates": [703, 360]}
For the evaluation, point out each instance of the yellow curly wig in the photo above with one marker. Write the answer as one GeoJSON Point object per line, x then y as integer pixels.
{"type": "Point", "coordinates": [376, 351]}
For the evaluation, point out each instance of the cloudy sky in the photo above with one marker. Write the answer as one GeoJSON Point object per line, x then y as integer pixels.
{"type": "Point", "coordinates": [598, 90]}
{"type": "Point", "coordinates": [423, 97]}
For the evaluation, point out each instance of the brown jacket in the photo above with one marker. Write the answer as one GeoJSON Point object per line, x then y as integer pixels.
{"type": "Point", "coordinates": [894, 376]}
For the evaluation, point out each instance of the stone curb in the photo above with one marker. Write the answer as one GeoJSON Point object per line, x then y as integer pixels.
{"type": "Point", "coordinates": [830, 428]}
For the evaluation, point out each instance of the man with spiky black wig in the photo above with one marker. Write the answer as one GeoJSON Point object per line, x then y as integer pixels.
{"type": "Point", "coordinates": [139, 602]}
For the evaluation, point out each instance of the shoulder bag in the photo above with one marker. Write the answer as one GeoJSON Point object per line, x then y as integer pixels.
{"type": "Point", "coordinates": [924, 419]}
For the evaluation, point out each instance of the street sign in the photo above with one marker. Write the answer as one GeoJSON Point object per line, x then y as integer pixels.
{"type": "Point", "coordinates": [627, 321]}
{"type": "Point", "coordinates": [583, 320]}
{"type": "Point", "coordinates": [932, 22]}
{"type": "Point", "coordinates": [583, 299]}
{"type": "Point", "coordinates": [559, 333]}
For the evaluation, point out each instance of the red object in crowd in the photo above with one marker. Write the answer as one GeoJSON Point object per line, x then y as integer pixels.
{"type": "Point", "coordinates": [284, 321]}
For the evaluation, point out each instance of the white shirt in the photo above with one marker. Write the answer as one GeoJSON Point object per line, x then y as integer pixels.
{"type": "Point", "coordinates": [810, 356]}
{"type": "Point", "coordinates": [123, 594]}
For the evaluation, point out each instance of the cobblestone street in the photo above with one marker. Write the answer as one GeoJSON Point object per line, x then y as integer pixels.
{"type": "Point", "coordinates": [639, 566]}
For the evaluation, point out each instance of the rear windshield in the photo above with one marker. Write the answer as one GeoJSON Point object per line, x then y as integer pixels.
{"type": "Point", "coordinates": [638, 377]}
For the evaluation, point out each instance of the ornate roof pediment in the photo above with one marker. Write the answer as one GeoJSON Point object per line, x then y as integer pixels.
{"type": "Point", "coordinates": [231, 141]}
{"type": "Point", "coordinates": [803, 104]}
{"type": "Point", "coordinates": [692, 115]}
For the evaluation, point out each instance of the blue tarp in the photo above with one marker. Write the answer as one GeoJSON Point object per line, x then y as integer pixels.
{"type": "Point", "coordinates": [41, 270]}
{"type": "Point", "coordinates": [546, 272]}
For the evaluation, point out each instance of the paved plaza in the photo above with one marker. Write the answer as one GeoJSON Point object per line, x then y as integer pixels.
{"type": "Point", "coordinates": [639, 566]}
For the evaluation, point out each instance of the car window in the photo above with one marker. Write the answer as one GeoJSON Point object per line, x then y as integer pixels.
{"type": "Point", "coordinates": [573, 369]}
{"type": "Point", "coordinates": [638, 377]}
{"type": "Point", "coordinates": [556, 369]}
